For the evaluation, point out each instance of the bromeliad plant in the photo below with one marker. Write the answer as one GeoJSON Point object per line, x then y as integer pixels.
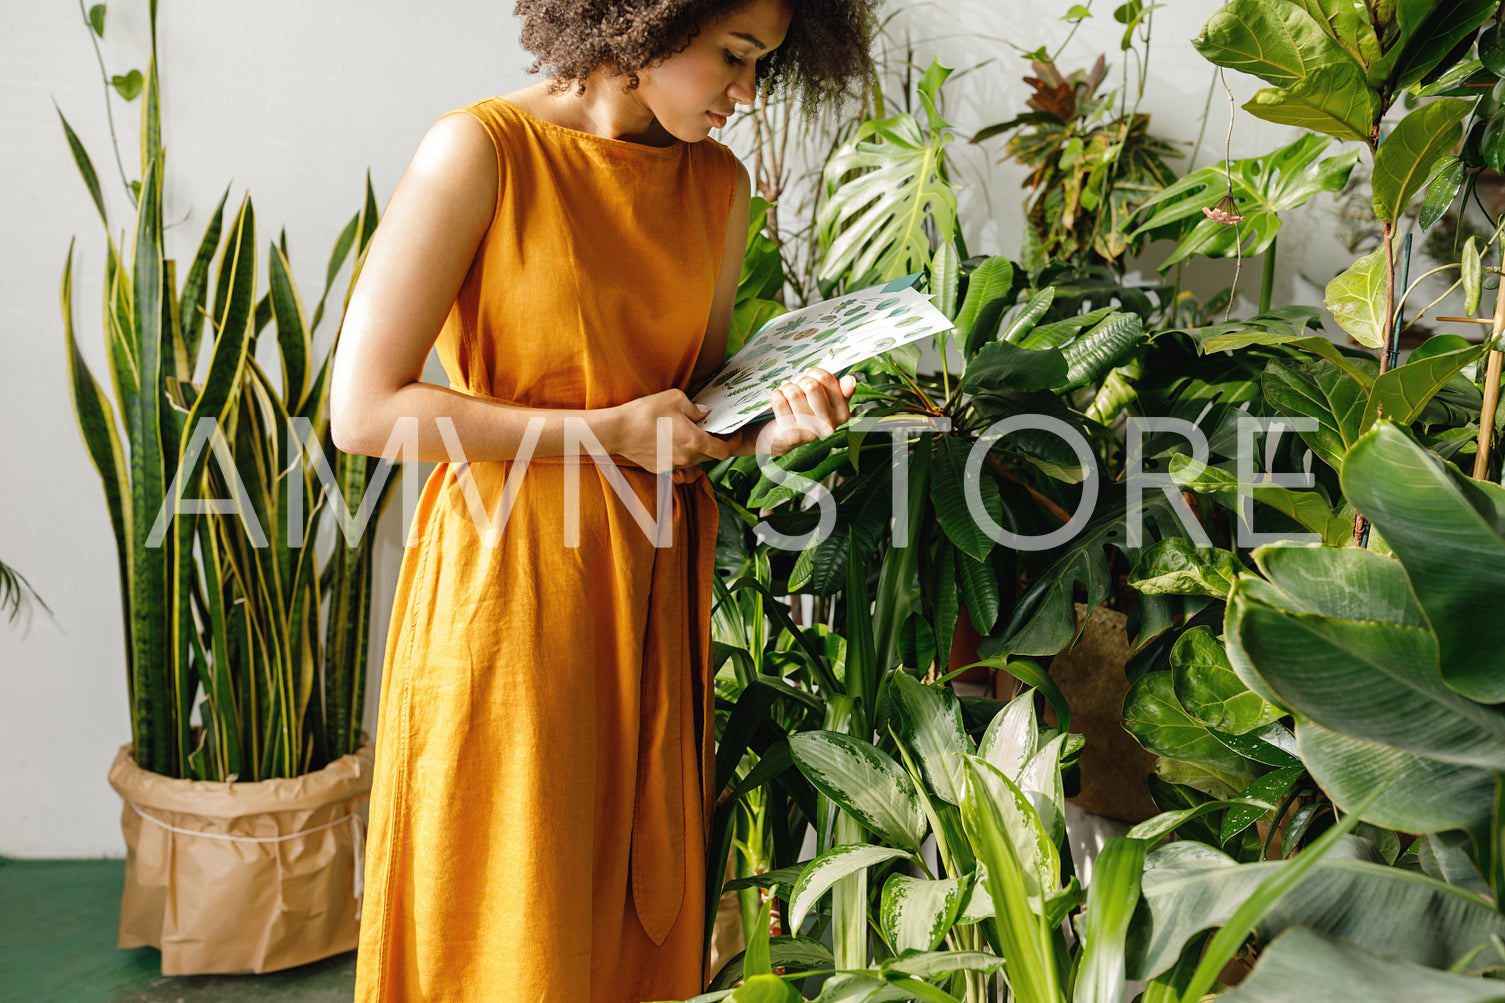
{"type": "Point", "coordinates": [236, 605]}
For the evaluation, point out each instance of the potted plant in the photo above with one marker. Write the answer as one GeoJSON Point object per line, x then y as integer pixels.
{"type": "Point", "coordinates": [244, 831]}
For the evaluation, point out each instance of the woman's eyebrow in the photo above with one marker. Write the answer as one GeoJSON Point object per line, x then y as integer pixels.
{"type": "Point", "coordinates": [749, 38]}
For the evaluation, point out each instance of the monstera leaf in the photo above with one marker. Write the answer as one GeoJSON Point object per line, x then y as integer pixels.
{"type": "Point", "coordinates": [873, 226]}
{"type": "Point", "coordinates": [1264, 187]}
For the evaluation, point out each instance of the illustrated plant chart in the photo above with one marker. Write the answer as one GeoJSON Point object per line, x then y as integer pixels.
{"type": "Point", "coordinates": [832, 334]}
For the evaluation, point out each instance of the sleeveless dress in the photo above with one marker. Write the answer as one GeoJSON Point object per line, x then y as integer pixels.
{"type": "Point", "coordinates": [541, 799]}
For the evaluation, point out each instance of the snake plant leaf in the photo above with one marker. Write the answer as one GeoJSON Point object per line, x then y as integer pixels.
{"type": "Point", "coordinates": [1189, 887]}
{"type": "Point", "coordinates": [1449, 533]}
{"type": "Point", "coordinates": [1092, 355]}
{"type": "Point", "coordinates": [931, 722]}
{"type": "Point", "coordinates": [85, 169]}
{"type": "Point", "coordinates": [1405, 158]}
{"type": "Point", "coordinates": [1305, 964]}
{"type": "Point", "coordinates": [1281, 43]}
{"type": "Point", "coordinates": [830, 867]}
{"type": "Point", "coordinates": [1404, 392]}
{"type": "Point", "coordinates": [1264, 187]}
{"type": "Point", "coordinates": [864, 781]}
{"type": "Point", "coordinates": [1410, 793]}
{"type": "Point", "coordinates": [292, 330]}
{"type": "Point", "coordinates": [795, 953]}
{"type": "Point", "coordinates": [1176, 566]}
{"type": "Point", "coordinates": [1161, 725]}
{"type": "Point", "coordinates": [1322, 391]}
{"type": "Point", "coordinates": [1208, 689]}
{"type": "Point", "coordinates": [916, 913]}
{"type": "Point", "coordinates": [873, 226]}
{"type": "Point", "coordinates": [1111, 897]}
{"type": "Point", "coordinates": [1372, 680]}
{"type": "Point", "coordinates": [989, 289]}
{"type": "Point", "coordinates": [196, 285]}
{"type": "Point", "coordinates": [1356, 299]}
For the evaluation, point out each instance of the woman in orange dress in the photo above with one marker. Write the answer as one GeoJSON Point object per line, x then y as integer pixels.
{"type": "Point", "coordinates": [542, 799]}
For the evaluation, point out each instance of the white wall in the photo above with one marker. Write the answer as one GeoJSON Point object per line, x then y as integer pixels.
{"type": "Point", "coordinates": [295, 101]}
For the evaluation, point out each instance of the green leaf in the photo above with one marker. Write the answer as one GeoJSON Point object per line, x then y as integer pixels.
{"type": "Point", "coordinates": [948, 496]}
{"type": "Point", "coordinates": [1447, 181]}
{"type": "Point", "coordinates": [1473, 275]}
{"type": "Point", "coordinates": [1333, 100]}
{"type": "Point", "coordinates": [1402, 393]}
{"type": "Point", "coordinates": [1000, 365]}
{"type": "Point", "coordinates": [1012, 737]}
{"type": "Point", "coordinates": [1449, 533]}
{"type": "Point", "coordinates": [765, 989]}
{"type": "Point", "coordinates": [1304, 964]}
{"type": "Point", "coordinates": [1322, 391]}
{"type": "Point", "coordinates": [1307, 507]}
{"type": "Point", "coordinates": [1176, 566]}
{"type": "Point", "coordinates": [1429, 32]}
{"type": "Point", "coordinates": [988, 290]}
{"type": "Point", "coordinates": [1279, 43]}
{"type": "Point", "coordinates": [930, 965]}
{"type": "Point", "coordinates": [916, 913]}
{"type": "Point", "coordinates": [1159, 723]}
{"type": "Point", "coordinates": [830, 867]}
{"type": "Point", "coordinates": [1356, 299]}
{"type": "Point", "coordinates": [1090, 357]}
{"type": "Point", "coordinates": [1111, 898]}
{"type": "Point", "coordinates": [128, 85]}
{"type": "Point", "coordinates": [931, 718]}
{"type": "Point", "coordinates": [97, 19]}
{"type": "Point", "coordinates": [1020, 327]}
{"type": "Point", "coordinates": [864, 781]}
{"type": "Point", "coordinates": [755, 961]}
{"type": "Point", "coordinates": [1210, 691]}
{"type": "Point", "coordinates": [1344, 24]}
{"type": "Point", "coordinates": [1271, 789]}
{"type": "Point", "coordinates": [85, 169]}
{"type": "Point", "coordinates": [800, 954]}
{"type": "Point", "coordinates": [1405, 158]}
{"type": "Point", "coordinates": [1076, 13]}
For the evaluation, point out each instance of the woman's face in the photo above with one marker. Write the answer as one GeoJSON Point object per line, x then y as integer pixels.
{"type": "Point", "coordinates": [697, 89]}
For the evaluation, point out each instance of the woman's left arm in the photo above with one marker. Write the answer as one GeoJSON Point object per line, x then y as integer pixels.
{"type": "Point", "coordinates": [804, 410]}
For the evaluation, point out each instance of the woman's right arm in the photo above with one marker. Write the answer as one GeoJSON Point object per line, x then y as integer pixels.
{"type": "Point", "coordinates": [418, 258]}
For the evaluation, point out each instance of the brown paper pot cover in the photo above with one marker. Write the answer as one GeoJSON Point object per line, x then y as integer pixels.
{"type": "Point", "coordinates": [259, 876]}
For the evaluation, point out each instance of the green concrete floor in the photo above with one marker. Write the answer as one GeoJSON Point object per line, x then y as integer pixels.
{"type": "Point", "coordinates": [57, 945]}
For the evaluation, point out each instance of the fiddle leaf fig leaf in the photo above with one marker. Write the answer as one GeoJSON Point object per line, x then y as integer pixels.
{"type": "Point", "coordinates": [1343, 23]}
{"type": "Point", "coordinates": [1357, 300]}
{"type": "Point", "coordinates": [1333, 100]}
{"type": "Point", "coordinates": [1280, 43]}
{"type": "Point", "coordinates": [1156, 719]}
{"type": "Point", "coordinates": [1323, 391]}
{"type": "Point", "coordinates": [1176, 566]}
{"type": "Point", "coordinates": [1405, 159]}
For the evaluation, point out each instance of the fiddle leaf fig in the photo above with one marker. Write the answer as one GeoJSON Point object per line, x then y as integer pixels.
{"type": "Point", "coordinates": [1405, 159]}
{"type": "Point", "coordinates": [1323, 391]}
{"type": "Point", "coordinates": [1209, 690]}
{"type": "Point", "coordinates": [1357, 300]}
{"type": "Point", "coordinates": [1176, 566]}
{"type": "Point", "coordinates": [1333, 100]}
{"type": "Point", "coordinates": [1343, 23]}
{"type": "Point", "coordinates": [1278, 42]}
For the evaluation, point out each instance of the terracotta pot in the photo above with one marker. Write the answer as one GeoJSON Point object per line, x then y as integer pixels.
{"type": "Point", "coordinates": [227, 877]}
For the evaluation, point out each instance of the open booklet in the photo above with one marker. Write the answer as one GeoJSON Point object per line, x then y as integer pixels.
{"type": "Point", "coordinates": [833, 334]}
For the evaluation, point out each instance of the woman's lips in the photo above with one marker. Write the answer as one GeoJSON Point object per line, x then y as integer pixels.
{"type": "Point", "coordinates": [717, 120]}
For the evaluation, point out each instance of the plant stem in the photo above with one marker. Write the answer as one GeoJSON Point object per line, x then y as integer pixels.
{"type": "Point", "coordinates": [104, 76]}
{"type": "Point", "coordinates": [1267, 284]}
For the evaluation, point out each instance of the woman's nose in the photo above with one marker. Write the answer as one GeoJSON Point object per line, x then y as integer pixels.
{"type": "Point", "coordinates": [744, 88]}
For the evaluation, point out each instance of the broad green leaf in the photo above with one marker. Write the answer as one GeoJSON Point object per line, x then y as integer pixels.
{"type": "Point", "coordinates": [1388, 911]}
{"type": "Point", "coordinates": [1405, 158]}
{"type": "Point", "coordinates": [982, 308]}
{"type": "Point", "coordinates": [827, 869]}
{"type": "Point", "coordinates": [1473, 276]}
{"type": "Point", "coordinates": [1402, 393]}
{"type": "Point", "coordinates": [945, 278]}
{"type": "Point", "coordinates": [800, 954]}
{"type": "Point", "coordinates": [1271, 789]}
{"type": "Point", "coordinates": [1331, 99]}
{"type": "Point", "coordinates": [1159, 723]}
{"type": "Point", "coordinates": [1012, 737]}
{"type": "Point", "coordinates": [1038, 858]}
{"type": "Point", "coordinates": [1344, 583]}
{"type": "Point", "coordinates": [1318, 390]}
{"type": "Point", "coordinates": [1307, 507]}
{"type": "Point", "coordinates": [1410, 793]}
{"type": "Point", "coordinates": [1209, 691]}
{"type": "Point", "coordinates": [1344, 23]}
{"type": "Point", "coordinates": [1357, 300]}
{"type": "Point", "coordinates": [1152, 829]}
{"type": "Point", "coordinates": [933, 964]}
{"type": "Point", "coordinates": [917, 913]}
{"type": "Point", "coordinates": [1176, 566]}
{"type": "Point", "coordinates": [931, 719]}
{"type": "Point", "coordinates": [864, 781]}
{"type": "Point", "coordinates": [127, 85]}
{"type": "Point", "coordinates": [1449, 533]}
{"type": "Point", "coordinates": [1371, 680]}
{"type": "Point", "coordinates": [998, 365]}
{"type": "Point", "coordinates": [755, 960]}
{"type": "Point", "coordinates": [1304, 964]}
{"type": "Point", "coordinates": [1040, 780]}
{"type": "Point", "coordinates": [1111, 898]}
{"type": "Point", "coordinates": [1278, 42]}
{"type": "Point", "coordinates": [874, 225]}
{"type": "Point", "coordinates": [1090, 357]}
{"type": "Point", "coordinates": [1429, 32]}
{"type": "Point", "coordinates": [1024, 321]}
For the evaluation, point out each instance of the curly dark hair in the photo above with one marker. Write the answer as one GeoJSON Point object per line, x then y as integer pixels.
{"type": "Point", "coordinates": [824, 53]}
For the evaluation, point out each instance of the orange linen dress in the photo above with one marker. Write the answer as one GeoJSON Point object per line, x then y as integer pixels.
{"type": "Point", "coordinates": [541, 801]}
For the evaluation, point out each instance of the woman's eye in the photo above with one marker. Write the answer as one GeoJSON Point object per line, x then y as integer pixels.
{"type": "Point", "coordinates": [732, 59]}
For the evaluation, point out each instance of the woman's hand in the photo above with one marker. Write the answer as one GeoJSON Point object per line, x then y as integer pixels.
{"type": "Point", "coordinates": [809, 408]}
{"type": "Point", "coordinates": [634, 432]}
